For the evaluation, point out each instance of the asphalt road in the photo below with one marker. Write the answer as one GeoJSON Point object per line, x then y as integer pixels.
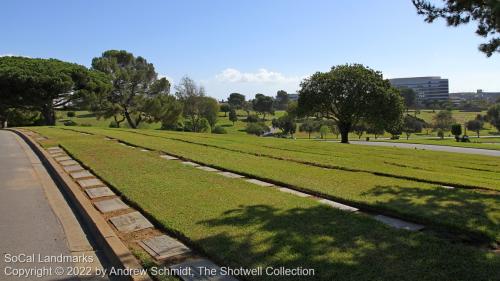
{"type": "Point", "coordinates": [29, 223]}
{"type": "Point", "coordinates": [488, 152]}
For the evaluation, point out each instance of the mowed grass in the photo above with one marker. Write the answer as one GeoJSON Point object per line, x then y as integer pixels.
{"type": "Point", "coordinates": [472, 212]}
{"type": "Point", "coordinates": [240, 224]}
{"type": "Point", "coordinates": [481, 143]}
{"type": "Point", "coordinates": [430, 166]}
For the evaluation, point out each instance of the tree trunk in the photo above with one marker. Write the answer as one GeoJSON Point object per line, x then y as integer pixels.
{"type": "Point", "coordinates": [344, 129]}
{"type": "Point", "coordinates": [477, 134]}
{"type": "Point", "coordinates": [129, 120]}
{"type": "Point", "coordinates": [49, 115]}
{"type": "Point", "coordinates": [309, 135]}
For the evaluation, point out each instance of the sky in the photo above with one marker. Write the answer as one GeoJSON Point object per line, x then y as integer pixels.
{"type": "Point", "coordinates": [251, 46]}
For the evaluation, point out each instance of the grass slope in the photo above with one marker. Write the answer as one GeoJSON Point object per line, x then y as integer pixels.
{"type": "Point", "coordinates": [474, 212]}
{"type": "Point", "coordinates": [240, 224]}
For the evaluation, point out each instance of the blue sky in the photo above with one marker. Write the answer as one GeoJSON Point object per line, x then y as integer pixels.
{"type": "Point", "coordinates": [251, 46]}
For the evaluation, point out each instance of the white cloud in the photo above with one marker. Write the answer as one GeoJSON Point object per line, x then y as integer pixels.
{"type": "Point", "coordinates": [260, 76]}
{"type": "Point", "coordinates": [13, 55]}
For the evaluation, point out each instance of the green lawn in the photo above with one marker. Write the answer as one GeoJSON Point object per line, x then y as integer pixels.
{"type": "Point", "coordinates": [474, 212]}
{"type": "Point", "coordinates": [240, 224]}
{"type": "Point", "coordinates": [482, 143]}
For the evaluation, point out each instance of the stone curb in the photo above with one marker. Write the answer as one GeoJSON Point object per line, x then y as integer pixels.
{"type": "Point", "coordinates": [114, 249]}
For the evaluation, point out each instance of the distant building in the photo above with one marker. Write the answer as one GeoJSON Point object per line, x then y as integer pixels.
{"type": "Point", "coordinates": [430, 88]}
{"type": "Point", "coordinates": [293, 97]}
{"type": "Point", "coordinates": [478, 95]}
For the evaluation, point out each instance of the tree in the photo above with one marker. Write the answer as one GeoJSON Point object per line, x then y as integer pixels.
{"type": "Point", "coordinates": [225, 108]}
{"type": "Point", "coordinates": [233, 117]}
{"type": "Point", "coordinates": [247, 107]}
{"type": "Point", "coordinates": [411, 125]}
{"type": "Point", "coordinates": [281, 100]}
{"type": "Point", "coordinates": [375, 130]}
{"type": "Point", "coordinates": [236, 100]}
{"type": "Point", "coordinates": [409, 97]}
{"type": "Point", "coordinates": [348, 94]}
{"type": "Point", "coordinates": [443, 120]}
{"type": "Point", "coordinates": [165, 109]}
{"type": "Point", "coordinates": [135, 82]}
{"type": "Point", "coordinates": [44, 84]}
{"type": "Point", "coordinates": [359, 129]}
{"type": "Point", "coordinates": [323, 131]}
{"type": "Point", "coordinates": [309, 126]}
{"type": "Point", "coordinates": [456, 130]}
{"type": "Point", "coordinates": [475, 126]}
{"type": "Point", "coordinates": [263, 104]}
{"type": "Point", "coordinates": [286, 124]}
{"type": "Point", "coordinates": [456, 12]}
{"type": "Point", "coordinates": [493, 115]}
{"type": "Point", "coordinates": [196, 106]}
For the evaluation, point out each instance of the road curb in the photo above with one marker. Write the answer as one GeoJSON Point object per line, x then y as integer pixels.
{"type": "Point", "coordinates": [113, 248]}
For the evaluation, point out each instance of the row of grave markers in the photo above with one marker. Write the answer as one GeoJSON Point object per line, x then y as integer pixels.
{"type": "Point", "coordinates": [393, 222]}
{"type": "Point", "coordinates": [160, 247]}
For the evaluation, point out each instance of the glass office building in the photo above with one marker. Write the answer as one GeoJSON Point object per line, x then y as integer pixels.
{"type": "Point", "coordinates": [427, 88]}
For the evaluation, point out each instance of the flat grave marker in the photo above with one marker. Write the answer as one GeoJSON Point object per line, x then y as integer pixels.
{"type": "Point", "coordinates": [338, 205]}
{"type": "Point", "coordinates": [73, 168]}
{"type": "Point", "coordinates": [207, 169]}
{"type": "Point", "coordinates": [110, 205]}
{"type": "Point", "coordinates": [58, 154]}
{"type": "Point", "coordinates": [162, 247]}
{"type": "Point", "coordinates": [97, 192]}
{"type": "Point", "coordinates": [231, 175]}
{"type": "Point", "coordinates": [130, 222]}
{"type": "Point", "coordinates": [197, 271]}
{"type": "Point", "coordinates": [259, 182]}
{"type": "Point", "coordinates": [90, 182]}
{"type": "Point", "coordinates": [62, 158]}
{"type": "Point", "coordinates": [68, 162]}
{"type": "Point", "coordinates": [294, 192]}
{"type": "Point", "coordinates": [168, 157]}
{"type": "Point", "coordinates": [189, 163]}
{"type": "Point", "coordinates": [447, 187]}
{"type": "Point", "coordinates": [399, 224]}
{"type": "Point", "coordinates": [81, 175]}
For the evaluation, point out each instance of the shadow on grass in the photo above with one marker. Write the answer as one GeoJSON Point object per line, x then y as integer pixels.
{"type": "Point", "coordinates": [458, 210]}
{"type": "Point", "coordinates": [339, 246]}
{"type": "Point", "coordinates": [87, 115]}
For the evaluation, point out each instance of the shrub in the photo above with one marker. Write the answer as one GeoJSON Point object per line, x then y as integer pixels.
{"type": "Point", "coordinates": [253, 118]}
{"type": "Point", "coordinates": [257, 129]}
{"type": "Point", "coordinates": [70, 123]}
{"type": "Point", "coordinates": [70, 114]}
{"type": "Point", "coordinates": [219, 130]}
{"type": "Point", "coordinates": [113, 124]}
{"type": "Point", "coordinates": [440, 133]}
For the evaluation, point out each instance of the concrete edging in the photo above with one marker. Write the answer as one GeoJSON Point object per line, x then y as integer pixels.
{"type": "Point", "coordinates": [114, 249]}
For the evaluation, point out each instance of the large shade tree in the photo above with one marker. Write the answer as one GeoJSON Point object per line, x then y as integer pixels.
{"type": "Point", "coordinates": [135, 83]}
{"type": "Point", "coordinates": [46, 84]}
{"type": "Point", "coordinates": [456, 12]}
{"type": "Point", "coordinates": [350, 94]}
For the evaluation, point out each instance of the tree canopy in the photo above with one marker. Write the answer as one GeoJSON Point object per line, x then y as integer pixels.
{"type": "Point", "coordinates": [236, 100]}
{"type": "Point", "coordinates": [45, 84]}
{"type": "Point", "coordinates": [197, 107]}
{"type": "Point", "coordinates": [135, 83]}
{"type": "Point", "coordinates": [349, 94]}
{"type": "Point", "coordinates": [263, 104]}
{"type": "Point", "coordinates": [456, 12]}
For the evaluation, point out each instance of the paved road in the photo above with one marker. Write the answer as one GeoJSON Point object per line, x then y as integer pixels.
{"type": "Point", "coordinates": [488, 152]}
{"type": "Point", "coordinates": [34, 217]}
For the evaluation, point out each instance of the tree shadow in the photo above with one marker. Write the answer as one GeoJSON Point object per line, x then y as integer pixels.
{"type": "Point", "coordinates": [450, 210]}
{"type": "Point", "coordinates": [338, 246]}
